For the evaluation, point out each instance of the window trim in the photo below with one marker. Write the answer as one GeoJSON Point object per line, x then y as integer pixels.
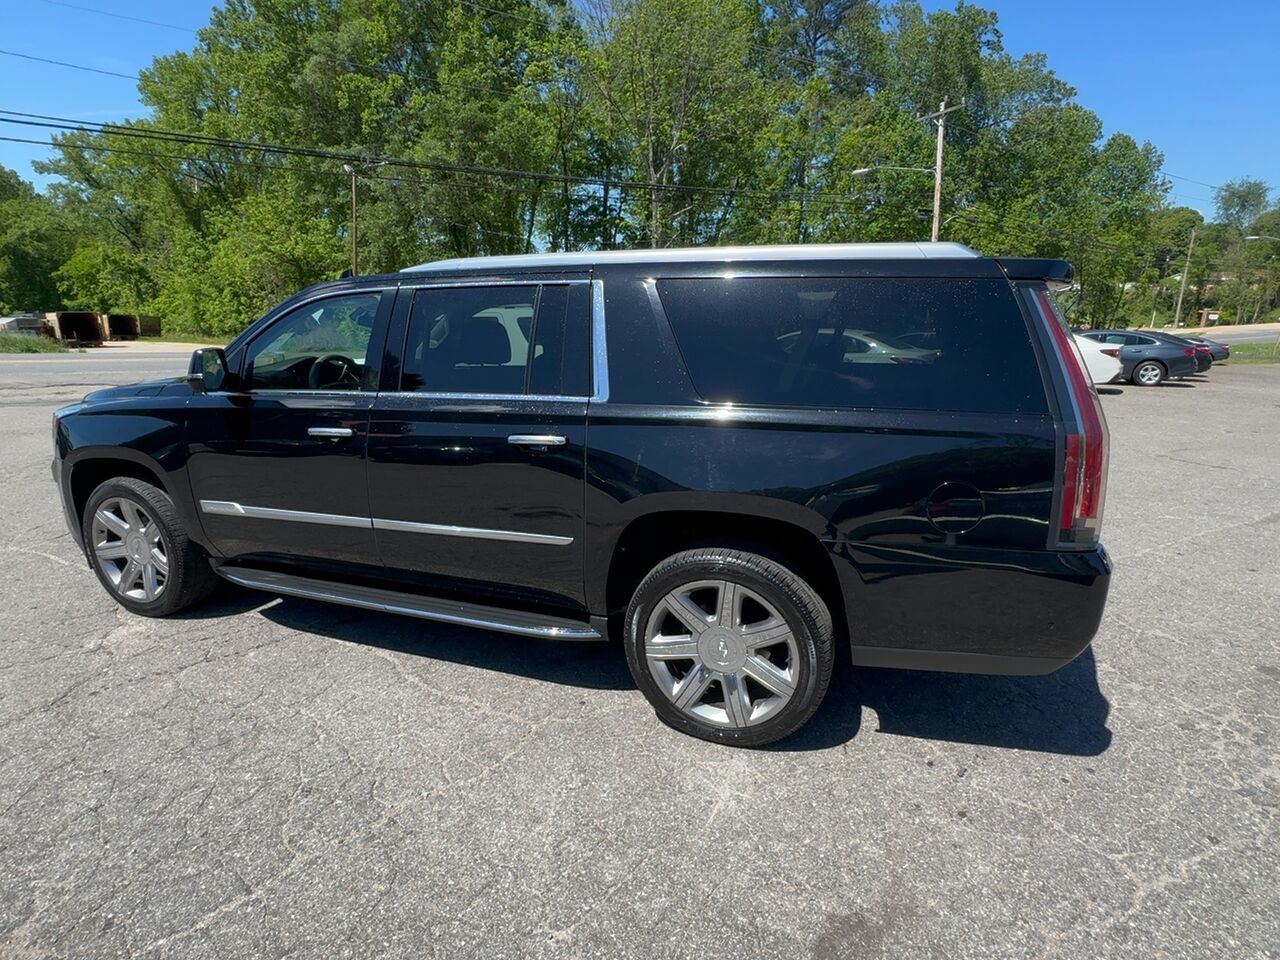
{"type": "Point", "coordinates": [599, 356]}
{"type": "Point", "coordinates": [380, 291]}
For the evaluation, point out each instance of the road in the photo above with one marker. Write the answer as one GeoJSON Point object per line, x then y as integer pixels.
{"type": "Point", "coordinates": [89, 369]}
{"type": "Point", "coordinates": [1261, 333]}
{"type": "Point", "coordinates": [268, 778]}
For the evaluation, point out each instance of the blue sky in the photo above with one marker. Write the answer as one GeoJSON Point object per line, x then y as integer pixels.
{"type": "Point", "coordinates": [1195, 79]}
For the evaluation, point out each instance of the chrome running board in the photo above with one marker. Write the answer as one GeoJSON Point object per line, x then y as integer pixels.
{"type": "Point", "coordinates": [411, 605]}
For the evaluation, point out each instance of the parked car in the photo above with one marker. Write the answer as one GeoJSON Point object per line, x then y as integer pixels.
{"type": "Point", "coordinates": [676, 447]}
{"type": "Point", "coordinates": [1218, 350]}
{"type": "Point", "coordinates": [1203, 358]}
{"type": "Point", "coordinates": [1101, 360]}
{"type": "Point", "coordinates": [1147, 358]}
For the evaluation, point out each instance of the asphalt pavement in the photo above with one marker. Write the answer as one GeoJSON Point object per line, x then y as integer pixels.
{"type": "Point", "coordinates": [268, 778]}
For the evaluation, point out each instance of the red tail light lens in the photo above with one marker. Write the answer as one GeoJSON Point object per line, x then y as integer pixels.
{"type": "Point", "coordinates": [1189, 351]}
{"type": "Point", "coordinates": [1084, 462]}
{"type": "Point", "coordinates": [1113, 352]}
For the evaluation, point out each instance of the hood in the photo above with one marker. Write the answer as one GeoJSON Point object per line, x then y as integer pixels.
{"type": "Point", "coordinates": [146, 388]}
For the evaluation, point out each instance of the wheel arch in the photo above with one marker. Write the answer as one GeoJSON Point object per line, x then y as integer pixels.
{"type": "Point", "coordinates": [650, 537]}
{"type": "Point", "coordinates": [90, 468]}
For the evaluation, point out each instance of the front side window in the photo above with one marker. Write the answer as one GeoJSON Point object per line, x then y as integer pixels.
{"type": "Point", "coordinates": [321, 345]}
{"type": "Point", "coordinates": [890, 343]}
{"type": "Point", "coordinates": [499, 340]}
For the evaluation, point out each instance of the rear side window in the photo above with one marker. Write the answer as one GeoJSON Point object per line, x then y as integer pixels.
{"type": "Point", "coordinates": [504, 340]}
{"type": "Point", "coordinates": [895, 343]}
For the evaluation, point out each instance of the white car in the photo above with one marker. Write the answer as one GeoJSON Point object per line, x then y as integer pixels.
{"type": "Point", "coordinates": [1102, 360]}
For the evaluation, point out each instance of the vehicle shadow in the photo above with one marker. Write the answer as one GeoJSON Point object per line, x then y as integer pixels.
{"type": "Point", "coordinates": [1064, 712]}
{"type": "Point", "coordinates": [596, 666]}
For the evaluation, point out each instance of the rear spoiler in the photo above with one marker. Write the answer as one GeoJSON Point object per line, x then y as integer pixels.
{"type": "Point", "coordinates": [1056, 273]}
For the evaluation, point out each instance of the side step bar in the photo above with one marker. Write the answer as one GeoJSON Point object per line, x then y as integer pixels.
{"type": "Point", "coordinates": [412, 605]}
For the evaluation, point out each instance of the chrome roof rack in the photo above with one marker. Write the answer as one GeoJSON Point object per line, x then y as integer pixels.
{"type": "Point", "coordinates": [799, 251]}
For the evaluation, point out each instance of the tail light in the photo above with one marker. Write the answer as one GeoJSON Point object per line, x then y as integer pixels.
{"type": "Point", "coordinates": [1189, 351]}
{"type": "Point", "coordinates": [1112, 352]}
{"type": "Point", "coordinates": [1084, 462]}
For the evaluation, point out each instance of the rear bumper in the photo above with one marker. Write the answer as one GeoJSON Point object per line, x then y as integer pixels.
{"type": "Point", "coordinates": [971, 611]}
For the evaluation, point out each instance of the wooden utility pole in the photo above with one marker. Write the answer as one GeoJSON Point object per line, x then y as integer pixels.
{"type": "Point", "coordinates": [355, 265]}
{"type": "Point", "coordinates": [354, 170]}
{"type": "Point", "coordinates": [1182, 287]}
{"type": "Point", "coordinates": [939, 120]}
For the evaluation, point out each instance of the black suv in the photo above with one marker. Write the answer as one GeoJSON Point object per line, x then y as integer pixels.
{"type": "Point", "coordinates": [736, 459]}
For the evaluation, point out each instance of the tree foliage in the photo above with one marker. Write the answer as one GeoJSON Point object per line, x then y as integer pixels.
{"type": "Point", "coordinates": [518, 125]}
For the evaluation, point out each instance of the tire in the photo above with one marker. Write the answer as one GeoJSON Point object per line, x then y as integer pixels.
{"type": "Point", "coordinates": [1152, 370]}
{"type": "Point", "coordinates": [780, 632]}
{"type": "Point", "coordinates": [132, 530]}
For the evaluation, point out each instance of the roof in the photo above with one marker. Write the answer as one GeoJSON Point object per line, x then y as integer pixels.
{"type": "Point", "coordinates": [799, 251]}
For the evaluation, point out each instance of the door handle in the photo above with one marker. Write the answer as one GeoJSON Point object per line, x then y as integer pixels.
{"type": "Point", "coordinates": [536, 440]}
{"type": "Point", "coordinates": [329, 433]}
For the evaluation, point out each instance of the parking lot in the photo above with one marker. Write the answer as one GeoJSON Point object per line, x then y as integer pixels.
{"type": "Point", "coordinates": [268, 777]}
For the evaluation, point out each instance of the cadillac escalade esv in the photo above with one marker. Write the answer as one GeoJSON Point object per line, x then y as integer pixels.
{"type": "Point", "coordinates": [741, 462]}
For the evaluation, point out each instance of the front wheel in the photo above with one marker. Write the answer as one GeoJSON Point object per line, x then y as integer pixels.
{"type": "Point", "coordinates": [140, 550]}
{"type": "Point", "coordinates": [729, 646]}
{"type": "Point", "coordinates": [1148, 374]}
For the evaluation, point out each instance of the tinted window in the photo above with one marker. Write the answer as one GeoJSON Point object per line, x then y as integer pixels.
{"type": "Point", "coordinates": [1145, 341]}
{"type": "Point", "coordinates": [318, 346]}
{"type": "Point", "coordinates": [910, 344]}
{"type": "Point", "coordinates": [560, 336]}
{"type": "Point", "coordinates": [496, 340]}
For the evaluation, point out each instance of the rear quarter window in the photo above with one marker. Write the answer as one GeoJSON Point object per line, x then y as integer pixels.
{"type": "Point", "coordinates": [885, 343]}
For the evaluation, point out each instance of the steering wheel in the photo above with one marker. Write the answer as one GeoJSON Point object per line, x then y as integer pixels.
{"type": "Point", "coordinates": [344, 372]}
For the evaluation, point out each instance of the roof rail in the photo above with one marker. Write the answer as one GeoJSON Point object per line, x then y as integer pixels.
{"type": "Point", "coordinates": [798, 251]}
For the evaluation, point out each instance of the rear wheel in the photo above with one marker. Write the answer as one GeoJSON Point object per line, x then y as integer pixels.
{"type": "Point", "coordinates": [729, 646]}
{"type": "Point", "coordinates": [140, 550]}
{"type": "Point", "coordinates": [1149, 373]}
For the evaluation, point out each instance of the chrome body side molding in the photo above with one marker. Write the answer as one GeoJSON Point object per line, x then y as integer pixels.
{"type": "Point", "coordinates": [477, 533]}
{"type": "Point", "coordinates": [228, 508]}
{"type": "Point", "coordinates": [515, 622]}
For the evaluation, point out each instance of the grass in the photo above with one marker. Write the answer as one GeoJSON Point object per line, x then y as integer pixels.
{"type": "Point", "coordinates": [1254, 353]}
{"type": "Point", "coordinates": [29, 343]}
{"type": "Point", "coordinates": [178, 338]}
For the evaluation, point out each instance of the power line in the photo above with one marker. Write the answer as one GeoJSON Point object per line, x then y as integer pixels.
{"type": "Point", "coordinates": [118, 16]}
{"type": "Point", "coordinates": [66, 124]}
{"type": "Point", "coordinates": [73, 66]}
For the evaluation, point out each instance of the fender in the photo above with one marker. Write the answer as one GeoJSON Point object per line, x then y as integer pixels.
{"type": "Point", "coordinates": [148, 432]}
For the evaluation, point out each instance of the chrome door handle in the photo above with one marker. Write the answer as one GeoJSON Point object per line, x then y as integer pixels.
{"type": "Point", "coordinates": [329, 433]}
{"type": "Point", "coordinates": [536, 440]}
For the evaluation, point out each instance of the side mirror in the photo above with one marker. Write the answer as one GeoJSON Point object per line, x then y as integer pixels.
{"type": "Point", "coordinates": [208, 370]}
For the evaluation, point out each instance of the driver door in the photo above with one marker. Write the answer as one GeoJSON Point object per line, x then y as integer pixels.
{"type": "Point", "coordinates": [277, 466]}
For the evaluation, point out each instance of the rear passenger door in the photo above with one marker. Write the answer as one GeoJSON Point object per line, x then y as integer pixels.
{"type": "Point", "coordinates": [476, 442]}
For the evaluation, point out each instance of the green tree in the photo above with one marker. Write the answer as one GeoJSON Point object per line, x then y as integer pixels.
{"type": "Point", "coordinates": [35, 239]}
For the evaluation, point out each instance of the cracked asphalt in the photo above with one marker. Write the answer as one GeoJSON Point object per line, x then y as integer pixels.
{"type": "Point", "coordinates": [271, 778]}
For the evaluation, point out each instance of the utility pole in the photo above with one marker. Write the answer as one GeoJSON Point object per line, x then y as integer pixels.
{"type": "Point", "coordinates": [939, 120]}
{"type": "Point", "coordinates": [355, 265]}
{"type": "Point", "coordinates": [1182, 287]}
{"type": "Point", "coordinates": [354, 171]}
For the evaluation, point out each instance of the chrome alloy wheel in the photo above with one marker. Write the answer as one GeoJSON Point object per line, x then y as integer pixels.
{"type": "Point", "coordinates": [130, 549]}
{"type": "Point", "coordinates": [721, 653]}
{"type": "Point", "coordinates": [1149, 374]}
